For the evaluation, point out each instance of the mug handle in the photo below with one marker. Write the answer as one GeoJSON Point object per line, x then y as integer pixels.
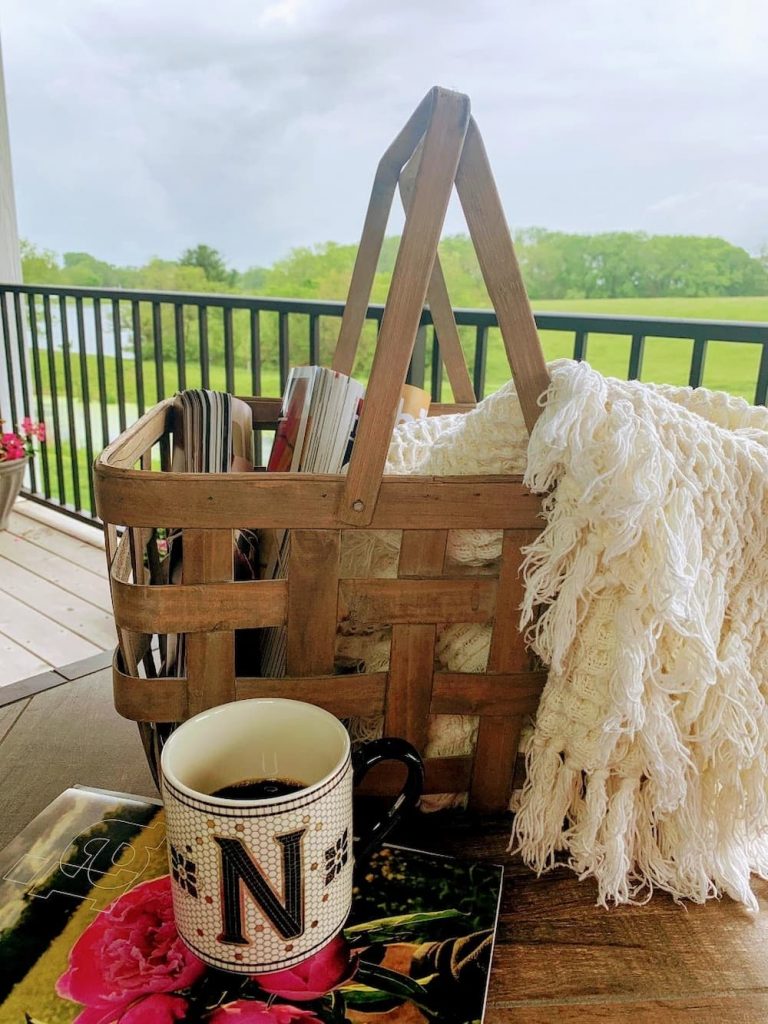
{"type": "Point", "coordinates": [367, 756]}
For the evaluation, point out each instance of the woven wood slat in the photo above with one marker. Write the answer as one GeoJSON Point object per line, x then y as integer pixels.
{"type": "Point", "coordinates": [499, 735]}
{"type": "Point", "coordinates": [199, 608]}
{"type": "Point", "coordinates": [313, 583]}
{"type": "Point", "coordinates": [412, 657]}
{"type": "Point", "coordinates": [453, 693]}
{"type": "Point", "coordinates": [210, 656]}
{"type": "Point", "coordinates": [286, 501]}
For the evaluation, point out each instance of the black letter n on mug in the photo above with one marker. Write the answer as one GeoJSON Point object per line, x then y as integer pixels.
{"type": "Point", "coordinates": [238, 868]}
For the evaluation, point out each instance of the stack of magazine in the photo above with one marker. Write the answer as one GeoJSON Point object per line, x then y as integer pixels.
{"type": "Point", "coordinates": [85, 894]}
{"type": "Point", "coordinates": [213, 433]}
{"type": "Point", "coordinates": [317, 421]}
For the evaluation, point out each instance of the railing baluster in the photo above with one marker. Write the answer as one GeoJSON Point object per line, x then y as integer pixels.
{"type": "Point", "coordinates": [101, 375]}
{"type": "Point", "coordinates": [21, 348]}
{"type": "Point", "coordinates": [138, 358]}
{"type": "Point", "coordinates": [85, 386]}
{"type": "Point", "coordinates": [255, 352]}
{"type": "Point", "coordinates": [157, 344]}
{"type": "Point", "coordinates": [283, 351]}
{"type": "Point", "coordinates": [481, 353]}
{"type": "Point", "coordinates": [181, 353]}
{"type": "Point", "coordinates": [21, 345]}
{"type": "Point", "coordinates": [38, 375]}
{"type": "Point", "coordinates": [71, 427]}
{"type": "Point", "coordinates": [117, 329]}
{"type": "Point", "coordinates": [437, 369]}
{"type": "Point", "coordinates": [314, 340]}
{"type": "Point", "coordinates": [255, 326]}
{"type": "Point", "coordinates": [9, 360]}
{"type": "Point", "coordinates": [761, 390]}
{"type": "Point", "coordinates": [698, 355]}
{"type": "Point", "coordinates": [636, 352]}
{"type": "Point", "coordinates": [202, 323]}
{"type": "Point", "coordinates": [416, 367]}
{"type": "Point", "coordinates": [580, 346]}
{"type": "Point", "coordinates": [54, 392]}
{"type": "Point", "coordinates": [229, 351]}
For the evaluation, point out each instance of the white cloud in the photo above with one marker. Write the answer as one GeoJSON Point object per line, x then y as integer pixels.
{"type": "Point", "coordinates": [256, 126]}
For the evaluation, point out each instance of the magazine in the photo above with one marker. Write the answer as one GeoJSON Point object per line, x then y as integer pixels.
{"type": "Point", "coordinates": [85, 912]}
{"type": "Point", "coordinates": [213, 433]}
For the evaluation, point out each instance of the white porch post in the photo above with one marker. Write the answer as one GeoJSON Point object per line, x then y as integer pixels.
{"type": "Point", "coordinates": [10, 258]}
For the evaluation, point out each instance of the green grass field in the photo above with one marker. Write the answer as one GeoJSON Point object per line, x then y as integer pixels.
{"type": "Point", "coordinates": [728, 367]}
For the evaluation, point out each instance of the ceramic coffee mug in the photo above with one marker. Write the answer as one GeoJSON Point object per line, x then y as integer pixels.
{"type": "Point", "coordinates": [261, 883]}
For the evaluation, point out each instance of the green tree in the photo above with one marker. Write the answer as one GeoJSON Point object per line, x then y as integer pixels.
{"type": "Point", "coordinates": [39, 266]}
{"type": "Point", "coordinates": [80, 268]}
{"type": "Point", "coordinates": [210, 261]}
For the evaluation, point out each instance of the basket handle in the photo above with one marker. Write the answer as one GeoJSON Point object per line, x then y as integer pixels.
{"type": "Point", "coordinates": [450, 150]}
{"type": "Point", "coordinates": [398, 167]}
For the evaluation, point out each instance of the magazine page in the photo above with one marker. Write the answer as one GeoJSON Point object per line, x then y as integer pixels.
{"type": "Point", "coordinates": [311, 374]}
{"type": "Point", "coordinates": [87, 932]}
{"type": "Point", "coordinates": [348, 419]}
{"type": "Point", "coordinates": [242, 436]}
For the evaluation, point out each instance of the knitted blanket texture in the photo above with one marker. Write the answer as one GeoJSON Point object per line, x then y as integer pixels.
{"type": "Point", "coordinates": [646, 595]}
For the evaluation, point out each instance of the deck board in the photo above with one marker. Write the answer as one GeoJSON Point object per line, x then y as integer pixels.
{"type": "Point", "coordinates": [51, 566]}
{"type": "Point", "coordinates": [59, 605]}
{"type": "Point", "coordinates": [16, 662]}
{"type": "Point", "coordinates": [87, 556]}
{"type": "Point", "coordinates": [55, 607]}
{"type": "Point", "coordinates": [49, 641]}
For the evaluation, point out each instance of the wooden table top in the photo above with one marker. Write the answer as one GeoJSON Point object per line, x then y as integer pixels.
{"type": "Point", "coordinates": [558, 957]}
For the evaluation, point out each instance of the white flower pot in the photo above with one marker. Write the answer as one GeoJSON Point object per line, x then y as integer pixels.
{"type": "Point", "coordinates": [11, 477]}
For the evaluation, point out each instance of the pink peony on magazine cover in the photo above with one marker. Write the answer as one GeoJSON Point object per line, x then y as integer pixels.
{"type": "Point", "coordinates": [87, 934]}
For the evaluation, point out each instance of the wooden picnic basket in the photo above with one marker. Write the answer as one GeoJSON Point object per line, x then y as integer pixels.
{"type": "Point", "coordinates": [439, 146]}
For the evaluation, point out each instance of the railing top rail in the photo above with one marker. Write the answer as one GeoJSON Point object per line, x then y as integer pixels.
{"type": "Point", "coordinates": [223, 299]}
{"type": "Point", "coordinates": [656, 327]}
{"type": "Point", "coordinates": [590, 323]}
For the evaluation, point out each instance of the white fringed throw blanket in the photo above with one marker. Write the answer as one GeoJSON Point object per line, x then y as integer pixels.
{"type": "Point", "coordinates": [649, 759]}
{"type": "Point", "coordinates": [647, 597]}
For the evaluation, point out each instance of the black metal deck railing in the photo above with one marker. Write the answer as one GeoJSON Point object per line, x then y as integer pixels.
{"type": "Point", "coordinates": [88, 361]}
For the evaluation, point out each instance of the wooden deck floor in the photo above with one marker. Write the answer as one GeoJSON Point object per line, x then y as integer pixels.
{"type": "Point", "coordinates": [55, 608]}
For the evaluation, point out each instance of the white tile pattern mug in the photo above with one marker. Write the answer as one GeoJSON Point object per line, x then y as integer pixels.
{"type": "Point", "coordinates": [261, 884]}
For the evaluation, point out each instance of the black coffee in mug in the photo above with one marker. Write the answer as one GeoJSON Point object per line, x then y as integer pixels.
{"type": "Point", "coordinates": [258, 789]}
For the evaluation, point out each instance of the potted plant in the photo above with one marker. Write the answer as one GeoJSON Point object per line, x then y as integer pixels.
{"type": "Point", "coordinates": [16, 449]}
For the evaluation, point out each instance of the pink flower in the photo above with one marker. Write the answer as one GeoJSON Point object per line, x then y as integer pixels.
{"type": "Point", "coordinates": [12, 446]}
{"type": "Point", "coordinates": [329, 967]}
{"type": "Point", "coordinates": [156, 1009]}
{"type": "Point", "coordinates": [251, 1011]}
{"type": "Point", "coordinates": [27, 425]}
{"type": "Point", "coordinates": [41, 431]}
{"type": "Point", "coordinates": [131, 950]}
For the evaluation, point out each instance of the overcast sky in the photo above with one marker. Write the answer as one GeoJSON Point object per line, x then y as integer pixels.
{"type": "Point", "coordinates": [140, 128]}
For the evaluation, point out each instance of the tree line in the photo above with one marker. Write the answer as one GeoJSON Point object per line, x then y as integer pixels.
{"type": "Point", "coordinates": [555, 265]}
